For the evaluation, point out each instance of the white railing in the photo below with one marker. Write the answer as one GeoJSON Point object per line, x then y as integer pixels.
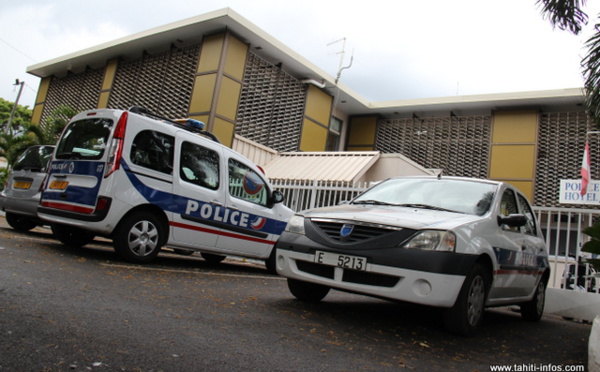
{"type": "Point", "coordinates": [562, 227]}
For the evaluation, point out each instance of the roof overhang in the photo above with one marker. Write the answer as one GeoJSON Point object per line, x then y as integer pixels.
{"type": "Point", "coordinates": [192, 30]}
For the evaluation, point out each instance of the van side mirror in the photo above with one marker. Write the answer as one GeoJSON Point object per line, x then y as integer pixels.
{"type": "Point", "coordinates": [513, 220]}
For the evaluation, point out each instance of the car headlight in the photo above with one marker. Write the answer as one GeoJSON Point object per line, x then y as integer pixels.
{"type": "Point", "coordinates": [433, 240]}
{"type": "Point", "coordinates": [295, 225]}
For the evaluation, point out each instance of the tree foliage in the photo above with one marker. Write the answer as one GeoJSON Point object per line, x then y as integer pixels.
{"type": "Point", "coordinates": [569, 15]}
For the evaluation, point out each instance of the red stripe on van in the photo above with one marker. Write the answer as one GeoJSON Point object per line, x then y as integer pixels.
{"type": "Point", "coordinates": [222, 233]}
{"type": "Point", "coordinates": [68, 207]}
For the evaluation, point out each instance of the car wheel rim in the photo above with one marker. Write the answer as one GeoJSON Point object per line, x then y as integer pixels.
{"type": "Point", "coordinates": [475, 300]}
{"type": "Point", "coordinates": [143, 238]}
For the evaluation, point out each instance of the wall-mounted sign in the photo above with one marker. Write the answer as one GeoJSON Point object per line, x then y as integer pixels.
{"type": "Point", "coordinates": [570, 192]}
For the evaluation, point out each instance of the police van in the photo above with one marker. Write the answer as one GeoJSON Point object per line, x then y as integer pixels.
{"type": "Point", "coordinates": [147, 182]}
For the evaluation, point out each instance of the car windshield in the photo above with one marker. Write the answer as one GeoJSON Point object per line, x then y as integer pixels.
{"type": "Point", "coordinates": [84, 139]}
{"type": "Point", "coordinates": [459, 196]}
{"type": "Point", "coordinates": [34, 159]}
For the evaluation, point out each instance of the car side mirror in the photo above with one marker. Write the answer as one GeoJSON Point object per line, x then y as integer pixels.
{"type": "Point", "coordinates": [513, 220]}
{"type": "Point", "coordinates": [277, 197]}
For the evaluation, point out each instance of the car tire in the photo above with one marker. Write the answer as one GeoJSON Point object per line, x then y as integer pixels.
{"type": "Point", "coordinates": [270, 262]}
{"type": "Point", "coordinates": [19, 222]}
{"type": "Point", "coordinates": [71, 236]}
{"type": "Point", "coordinates": [212, 258]}
{"type": "Point", "coordinates": [308, 292]}
{"type": "Point", "coordinates": [533, 310]}
{"type": "Point", "coordinates": [139, 237]}
{"type": "Point", "coordinates": [465, 317]}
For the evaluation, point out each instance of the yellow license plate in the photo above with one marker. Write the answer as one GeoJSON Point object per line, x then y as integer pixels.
{"type": "Point", "coordinates": [22, 185]}
{"type": "Point", "coordinates": [58, 185]}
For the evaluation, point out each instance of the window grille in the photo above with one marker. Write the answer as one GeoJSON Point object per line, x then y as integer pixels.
{"type": "Point", "coordinates": [460, 146]}
{"type": "Point", "coordinates": [271, 106]}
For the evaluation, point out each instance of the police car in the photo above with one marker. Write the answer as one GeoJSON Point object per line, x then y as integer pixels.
{"type": "Point", "coordinates": [454, 243]}
{"type": "Point", "coordinates": [148, 182]}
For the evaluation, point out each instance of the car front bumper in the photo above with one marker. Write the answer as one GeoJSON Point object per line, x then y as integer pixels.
{"type": "Point", "coordinates": [421, 277]}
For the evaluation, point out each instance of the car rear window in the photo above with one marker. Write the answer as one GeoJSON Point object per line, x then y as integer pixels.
{"type": "Point", "coordinates": [34, 159]}
{"type": "Point", "coordinates": [84, 139]}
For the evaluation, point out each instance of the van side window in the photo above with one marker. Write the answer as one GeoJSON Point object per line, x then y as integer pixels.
{"type": "Point", "coordinates": [153, 150]}
{"type": "Point", "coordinates": [246, 184]}
{"type": "Point", "coordinates": [199, 165]}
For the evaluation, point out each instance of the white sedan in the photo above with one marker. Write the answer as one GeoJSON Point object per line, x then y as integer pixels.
{"type": "Point", "coordinates": [455, 243]}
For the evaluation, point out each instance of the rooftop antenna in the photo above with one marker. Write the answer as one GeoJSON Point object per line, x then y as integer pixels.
{"type": "Point", "coordinates": [342, 54]}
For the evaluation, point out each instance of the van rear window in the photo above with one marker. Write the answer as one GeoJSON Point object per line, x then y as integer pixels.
{"type": "Point", "coordinates": [84, 139]}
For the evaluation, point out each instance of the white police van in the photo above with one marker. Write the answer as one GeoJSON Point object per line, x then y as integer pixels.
{"type": "Point", "coordinates": [147, 182]}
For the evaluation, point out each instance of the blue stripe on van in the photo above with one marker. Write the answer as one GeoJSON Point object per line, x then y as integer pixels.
{"type": "Point", "coordinates": [202, 210]}
{"type": "Point", "coordinates": [76, 194]}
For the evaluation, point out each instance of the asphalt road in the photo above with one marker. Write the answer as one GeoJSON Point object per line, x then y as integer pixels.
{"type": "Point", "coordinates": [82, 309]}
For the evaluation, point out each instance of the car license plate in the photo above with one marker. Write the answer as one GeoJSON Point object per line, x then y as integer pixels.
{"type": "Point", "coordinates": [22, 185]}
{"type": "Point", "coordinates": [341, 260]}
{"type": "Point", "coordinates": [58, 185]}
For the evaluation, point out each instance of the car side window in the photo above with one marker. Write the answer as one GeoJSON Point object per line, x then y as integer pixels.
{"type": "Point", "coordinates": [509, 206]}
{"type": "Point", "coordinates": [199, 165]}
{"type": "Point", "coordinates": [153, 150]}
{"type": "Point", "coordinates": [530, 227]}
{"type": "Point", "coordinates": [246, 184]}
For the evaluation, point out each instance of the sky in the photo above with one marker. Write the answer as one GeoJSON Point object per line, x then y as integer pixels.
{"type": "Point", "coordinates": [400, 49]}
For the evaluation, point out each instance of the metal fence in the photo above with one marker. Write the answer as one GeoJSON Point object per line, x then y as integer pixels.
{"type": "Point", "coordinates": [562, 227]}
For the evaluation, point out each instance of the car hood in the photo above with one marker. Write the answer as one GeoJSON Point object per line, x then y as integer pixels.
{"type": "Point", "coordinates": [406, 217]}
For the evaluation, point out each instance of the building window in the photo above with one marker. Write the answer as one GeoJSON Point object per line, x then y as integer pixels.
{"type": "Point", "coordinates": [333, 138]}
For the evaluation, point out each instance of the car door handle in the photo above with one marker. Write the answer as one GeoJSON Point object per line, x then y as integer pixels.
{"type": "Point", "coordinates": [217, 203]}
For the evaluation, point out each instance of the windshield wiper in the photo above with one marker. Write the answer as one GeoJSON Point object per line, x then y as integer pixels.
{"type": "Point", "coordinates": [427, 206]}
{"type": "Point", "coordinates": [373, 202]}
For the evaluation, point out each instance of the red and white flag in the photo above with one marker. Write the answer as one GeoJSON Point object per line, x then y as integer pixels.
{"type": "Point", "coordinates": [585, 169]}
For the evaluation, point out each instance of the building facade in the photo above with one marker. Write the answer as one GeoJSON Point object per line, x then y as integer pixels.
{"type": "Point", "coordinates": [221, 69]}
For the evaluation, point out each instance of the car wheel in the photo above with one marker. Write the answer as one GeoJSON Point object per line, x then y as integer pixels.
{"type": "Point", "coordinates": [465, 317]}
{"type": "Point", "coordinates": [309, 292]}
{"type": "Point", "coordinates": [139, 237]}
{"type": "Point", "coordinates": [212, 258]}
{"type": "Point", "coordinates": [534, 309]}
{"type": "Point", "coordinates": [71, 236]}
{"type": "Point", "coordinates": [270, 262]}
{"type": "Point", "coordinates": [19, 223]}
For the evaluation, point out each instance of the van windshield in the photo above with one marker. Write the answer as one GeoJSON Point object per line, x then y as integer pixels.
{"type": "Point", "coordinates": [84, 139]}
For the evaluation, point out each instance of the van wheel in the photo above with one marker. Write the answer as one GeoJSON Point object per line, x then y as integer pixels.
{"type": "Point", "coordinates": [19, 223]}
{"type": "Point", "coordinates": [71, 236]}
{"type": "Point", "coordinates": [212, 258]}
{"type": "Point", "coordinates": [271, 263]}
{"type": "Point", "coordinates": [465, 317]}
{"type": "Point", "coordinates": [305, 291]}
{"type": "Point", "coordinates": [534, 309]}
{"type": "Point", "coordinates": [139, 237]}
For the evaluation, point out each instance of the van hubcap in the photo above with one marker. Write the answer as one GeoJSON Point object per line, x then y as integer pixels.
{"type": "Point", "coordinates": [143, 238]}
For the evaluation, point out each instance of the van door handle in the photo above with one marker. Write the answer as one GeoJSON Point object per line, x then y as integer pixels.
{"type": "Point", "coordinates": [217, 203]}
{"type": "Point", "coordinates": [60, 175]}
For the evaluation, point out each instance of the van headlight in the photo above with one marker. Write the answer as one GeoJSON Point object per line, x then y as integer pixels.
{"type": "Point", "coordinates": [295, 225]}
{"type": "Point", "coordinates": [432, 240]}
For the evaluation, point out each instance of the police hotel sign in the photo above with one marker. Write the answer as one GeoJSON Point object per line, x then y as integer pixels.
{"type": "Point", "coordinates": [570, 192]}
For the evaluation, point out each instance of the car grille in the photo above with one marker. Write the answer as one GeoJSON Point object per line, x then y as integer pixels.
{"type": "Point", "coordinates": [360, 232]}
{"type": "Point", "coordinates": [349, 276]}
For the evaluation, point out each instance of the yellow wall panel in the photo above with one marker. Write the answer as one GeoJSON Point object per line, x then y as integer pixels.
{"type": "Point", "coordinates": [512, 162]}
{"type": "Point", "coordinates": [224, 131]}
{"type": "Point", "coordinates": [229, 98]}
{"type": "Point", "coordinates": [235, 62]}
{"type": "Point", "coordinates": [202, 95]}
{"type": "Point", "coordinates": [314, 136]}
{"type": "Point", "coordinates": [36, 117]}
{"type": "Point", "coordinates": [526, 187]}
{"type": "Point", "coordinates": [109, 74]}
{"type": "Point", "coordinates": [362, 131]}
{"type": "Point", "coordinates": [103, 99]}
{"type": "Point", "coordinates": [212, 46]}
{"type": "Point", "coordinates": [515, 127]}
{"type": "Point", "coordinates": [318, 105]}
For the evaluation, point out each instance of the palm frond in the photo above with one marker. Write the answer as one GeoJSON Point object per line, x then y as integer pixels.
{"type": "Point", "coordinates": [564, 14]}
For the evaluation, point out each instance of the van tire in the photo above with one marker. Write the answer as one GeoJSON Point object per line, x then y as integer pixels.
{"type": "Point", "coordinates": [533, 310]}
{"type": "Point", "coordinates": [212, 258]}
{"type": "Point", "coordinates": [19, 222]}
{"type": "Point", "coordinates": [307, 292]}
{"type": "Point", "coordinates": [139, 237]}
{"type": "Point", "coordinates": [71, 236]}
